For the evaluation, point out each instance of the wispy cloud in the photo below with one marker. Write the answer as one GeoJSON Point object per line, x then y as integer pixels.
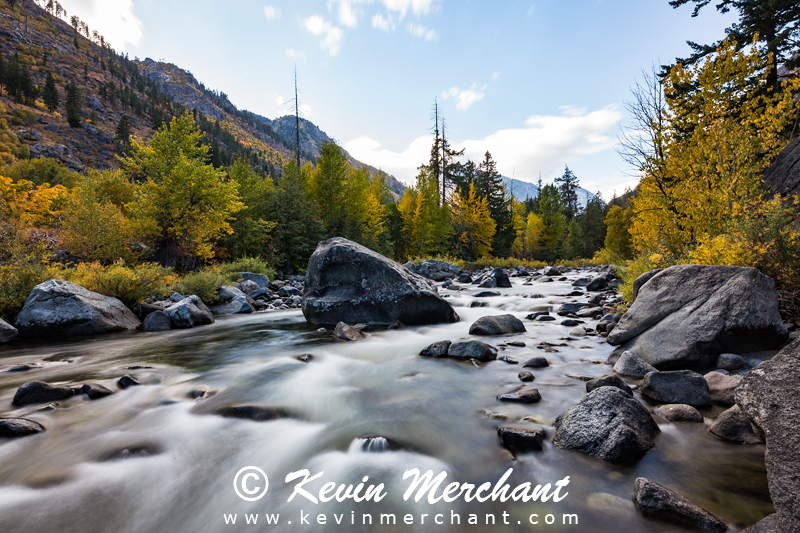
{"type": "Point", "coordinates": [417, 7]}
{"type": "Point", "coordinates": [465, 97]}
{"type": "Point", "coordinates": [418, 30]}
{"type": "Point", "coordinates": [272, 12]}
{"type": "Point", "coordinates": [116, 20]}
{"type": "Point", "coordinates": [295, 54]}
{"type": "Point", "coordinates": [544, 143]}
{"type": "Point", "coordinates": [332, 36]}
{"type": "Point", "coordinates": [382, 23]}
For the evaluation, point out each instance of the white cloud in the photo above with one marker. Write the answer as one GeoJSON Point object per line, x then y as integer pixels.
{"type": "Point", "coordinates": [295, 54]}
{"type": "Point", "coordinates": [418, 30]}
{"type": "Point", "coordinates": [272, 12]}
{"type": "Point", "coordinates": [495, 76]}
{"type": "Point", "coordinates": [417, 7]}
{"type": "Point", "coordinates": [531, 11]}
{"type": "Point", "coordinates": [465, 97]}
{"type": "Point", "coordinates": [347, 16]}
{"type": "Point", "coordinates": [332, 35]}
{"type": "Point", "coordinates": [543, 145]}
{"type": "Point", "coordinates": [278, 106]}
{"type": "Point", "coordinates": [114, 19]}
{"type": "Point", "coordinates": [382, 23]}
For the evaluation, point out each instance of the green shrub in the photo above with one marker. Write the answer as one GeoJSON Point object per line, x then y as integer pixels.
{"type": "Point", "coordinates": [131, 285]}
{"type": "Point", "coordinates": [18, 277]}
{"type": "Point", "coordinates": [247, 264]}
{"type": "Point", "coordinates": [204, 283]}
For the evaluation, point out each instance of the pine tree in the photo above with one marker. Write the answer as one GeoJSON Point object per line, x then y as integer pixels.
{"type": "Point", "coordinates": [550, 209]}
{"type": "Point", "coordinates": [50, 93]}
{"type": "Point", "coordinates": [122, 134]}
{"type": "Point", "coordinates": [473, 227]}
{"type": "Point", "coordinates": [489, 185]}
{"type": "Point", "coordinates": [328, 186]}
{"type": "Point", "coordinates": [567, 185]}
{"type": "Point", "coordinates": [73, 105]}
{"type": "Point", "coordinates": [573, 245]}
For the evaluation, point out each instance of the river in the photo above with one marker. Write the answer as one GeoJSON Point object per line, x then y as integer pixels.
{"type": "Point", "coordinates": [151, 458]}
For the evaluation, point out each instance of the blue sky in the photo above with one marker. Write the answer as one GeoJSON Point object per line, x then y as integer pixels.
{"type": "Point", "coordinates": [539, 84]}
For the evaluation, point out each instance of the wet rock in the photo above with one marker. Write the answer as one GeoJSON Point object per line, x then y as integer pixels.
{"type": "Point", "coordinates": [258, 413]}
{"type": "Point", "coordinates": [570, 322]}
{"type": "Point", "coordinates": [521, 437]}
{"type": "Point", "coordinates": [305, 358]}
{"type": "Point", "coordinates": [679, 386]}
{"type": "Point", "coordinates": [721, 388]}
{"type": "Point", "coordinates": [487, 294]}
{"type": "Point", "coordinates": [545, 318]}
{"type": "Point", "coordinates": [189, 312]}
{"type": "Point", "coordinates": [131, 452]}
{"type": "Point", "coordinates": [472, 350]}
{"type": "Point", "coordinates": [437, 349]}
{"type": "Point", "coordinates": [488, 282]}
{"type": "Point", "coordinates": [236, 302]}
{"type": "Point", "coordinates": [570, 308]}
{"type": "Point", "coordinates": [590, 312]}
{"type": "Point", "coordinates": [679, 412]}
{"type": "Point", "coordinates": [497, 325]}
{"type": "Point", "coordinates": [521, 394]}
{"type": "Point", "coordinates": [686, 315]}
{"type": "Point", "coordinates": [12, 428]}
{"type": "Point", "coordinates": [734, 426]}
{"type": "Point", "coordinates": [768, 396]}
{"type": "Point", "coordinates": [509, 360]}
{"type": "Point", "coordinates": [346, 282]}
{"type": "Point", "coordinates": [127, 381]}
{"type": "Point", "coordinates": [501, 278]}
{"type": "Point", "coordinates": [731, 362]}
{"type": "Point", "coordinates": [525, 376]}
{"type": "Point", "coordinates": [580, 282]}
{"type": "Point", "coordinates": [348, 333]}
{"type": "Point", "coordinates": [157, 321]}
{"type": "Point", "coordinates": [607, 423]}
{"type": "Point", "coordinates": [7, 331]}
{"type": "Point", "coordinates": [437, 270]}
{"type": "Point", "coordinates": [478, 304]}
{"type": "Point", "coordinates": [536, 362]}
{"type": "Point", "coordinates": [95, 391]}
{"type": "Point", "coordinates": [577, 332]}
{"type": "Point", "coordinates": [63, 308]}
{"type": "Point", "coordinates": [40, 392]}
{"type": "Point", "coordinates": [536, 315]}
{"type": "Point", "coordinates": [631, 365]}
{"type": "Point", "coordinates": [608, 381]}
{"type": "Point", "coordinates": [516, 344]}
{"type": "Point", "coordinates": [600, 283]}
{"type": "Point", "coordinates": [259, 279]}
{"type": "Point", "coordinates": [464, 278]}
{"type": "Point", "coordinates": [248, 286]}
{"type": "Point", "coordinates": [666, 504]}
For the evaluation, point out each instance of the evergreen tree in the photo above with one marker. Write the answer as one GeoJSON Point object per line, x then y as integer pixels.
{"type": "Point", "coordinates": [473, 227]}
{"type": "Point", "coordinates": [328, 187]}
{"type": "Point", "coordinates": [122, 134]}
{"type": "Point", "coordinates": [50, 93]}
{"type": "Point", "coordinates": [489, 185]}
{"type": "Point", "coordinates": [593, 228]}
{"type": "Point", "coordinates": [550, 210]}
{"type": "Point", "coordinates": [567, 185]}
{"type": "Point", "coordinates": [573, 245]}
{"type": "Point", "coordinates": [73, 105]}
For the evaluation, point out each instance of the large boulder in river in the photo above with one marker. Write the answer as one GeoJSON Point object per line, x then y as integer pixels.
{"type": "Point", "coordinates": [497, 325]}
{"type": "Point", "coordinates": [686, 315]}
{"type": "Point", "coordinates": [679, 386]}
{"type": "Point", "coordinates": [346, 282]}
{"type": "Point", "coordinates": [437, 270]}
{"type": "Point", "coordinates": [62, 308]}
{"type": "Point", "coordinates": [607, 423]}
{"type": "Point", "coordinates": [768, 396]}
{"type": "Point", "coordinates": [236, 301]}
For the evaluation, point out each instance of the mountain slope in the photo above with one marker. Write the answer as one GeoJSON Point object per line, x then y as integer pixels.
{"type": "Point", "coordinates": [524, 189]}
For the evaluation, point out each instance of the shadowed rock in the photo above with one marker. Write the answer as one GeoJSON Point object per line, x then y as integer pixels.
{"type": "Point", "coordinates": [679, 412]}
{"type": "Point", "coordinates": [95, 391]}
{"type": "Point", "coordinates": [521, 394]}
{"type": "Point", "coordinates": [679, 386]}
{"type": "Point", "coordinates": [734, 426]}
{"type": "Point", "coordinates": [521, 437]}
{"type": "Point", "coordinates": [608, 381]}
{"type": "Point", "coordinates": [497, 325]}
{"type": "Point", "coordinates": [40, 392]}
{"type": "Point", "coordinates": [662, 502]}
{"type": "Point", "coordinates": [686, 315]}
{"type": "Point", "coordinates": [189, 312]}
{"type": "Point", "coordinates": [258, 413]}
{"type": "Point", "coordinates": [606, 423]}
{"type": "Point", "coordinates": [437, 349]}
{"type": "Point", "coordinates": [7, 331]}
{"type": "Point", "coordinates": [472, 350]}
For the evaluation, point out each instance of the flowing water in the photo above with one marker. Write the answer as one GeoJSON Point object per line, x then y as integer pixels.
{"type": "Point", "coordinates": [152, 458]}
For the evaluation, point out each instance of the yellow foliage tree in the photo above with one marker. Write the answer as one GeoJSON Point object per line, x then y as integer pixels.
{"type": "Point", "coordinates": [473, 227]}
{"type": "Point", "coordinates": [717, 140]}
